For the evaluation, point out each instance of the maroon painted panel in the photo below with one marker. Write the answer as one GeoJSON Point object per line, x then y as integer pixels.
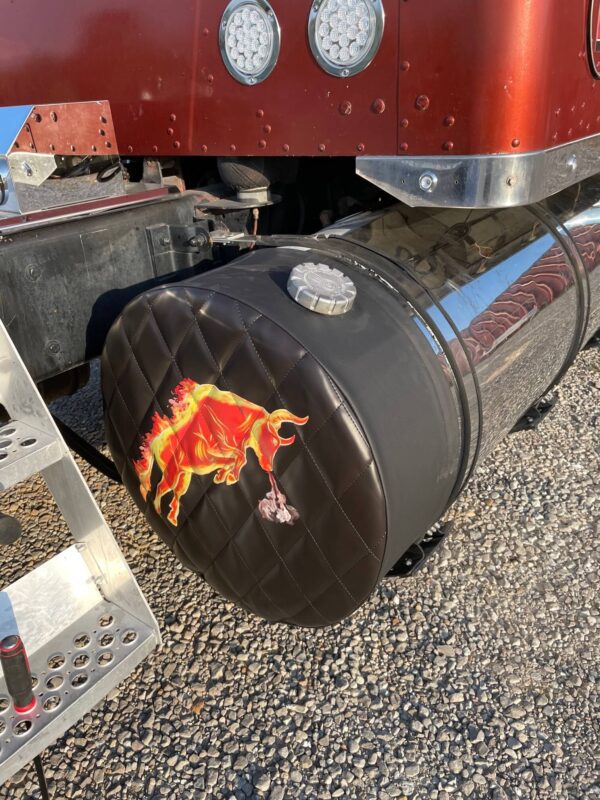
{"type": "Point", "coordinates": [489, 76]}
{"type": "Point", "coordinates": [454, 76]}
{"type": "Point", "coordinates": [168, 87]}
{"type": "Point", "coordinates": [69, 129]}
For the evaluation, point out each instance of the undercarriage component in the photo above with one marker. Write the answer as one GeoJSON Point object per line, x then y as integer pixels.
{"type": "Point", "coordinates": [64, 384]}
{"type": "Point", "coordinates": [65, 281]}
{"type": "Point", "coordinates": [291, 457]}
{"type": "Point", "coordinates": [418, 554]}
{"type": "Point", "coordinates": [538, 412]}
{"type": "Point", "coordinates": [252, 178]}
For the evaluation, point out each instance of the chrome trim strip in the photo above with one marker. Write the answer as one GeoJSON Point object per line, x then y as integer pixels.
{"type": "Point", "coordinates": [592, 37]}
{"type": "Point", "coordinates": [581, 280]}
{"type": "Point", "coordinates": [483, 181]}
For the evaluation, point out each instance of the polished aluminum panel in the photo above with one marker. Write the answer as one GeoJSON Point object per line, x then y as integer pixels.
{"type": "Point", "coordinates": [484, 181]}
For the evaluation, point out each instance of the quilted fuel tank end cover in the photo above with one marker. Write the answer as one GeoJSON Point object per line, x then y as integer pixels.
{"type": "Point", "coordinates": [244, 455]}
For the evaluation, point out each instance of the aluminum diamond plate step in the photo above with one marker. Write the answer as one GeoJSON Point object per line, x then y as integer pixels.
{"type": "Point", "coordinates": [81, 616]}
{"type": "Point", "coordinates": [80, 647]}
{"type": "Point", "coordinates": [24, 451]}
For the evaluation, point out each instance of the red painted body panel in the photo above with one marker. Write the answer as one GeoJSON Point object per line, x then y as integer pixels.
{"type": "Point", "coordinates": [69, 129]}
{"type": "Point", "coordinates": [510, 76]}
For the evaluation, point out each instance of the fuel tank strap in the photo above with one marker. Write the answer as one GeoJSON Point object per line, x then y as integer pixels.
{"type": "Point", "coordinates": [582, 285]}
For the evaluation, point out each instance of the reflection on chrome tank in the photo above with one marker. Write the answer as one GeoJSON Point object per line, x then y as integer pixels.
{"type": "Point", "coordinates": [515, 292]}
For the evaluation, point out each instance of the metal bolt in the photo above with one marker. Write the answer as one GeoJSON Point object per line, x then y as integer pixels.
{"type": "Point", "coordinates": [53, 347]}
{"type": "Point", "coordinates": [198, 241]}
{"type": "Point", "coordinates": [572, 162]}
{"type": "Point", "coordinates": [428, 181]}
{"type": "Point", "coordinates": [27, 169]}
{"type": "Point", "coordinates": [165, 241]}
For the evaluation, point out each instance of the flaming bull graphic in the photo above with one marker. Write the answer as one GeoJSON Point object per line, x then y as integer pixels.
{"type": "Point", "coordinates": [208, 431]}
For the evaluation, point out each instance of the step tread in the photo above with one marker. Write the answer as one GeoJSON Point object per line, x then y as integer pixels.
{"type": "Point", "coordinates": [24, 451]}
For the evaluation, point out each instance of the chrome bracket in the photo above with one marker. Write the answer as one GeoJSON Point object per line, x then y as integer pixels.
{"type": "Point", "coordinates": [482, 181]}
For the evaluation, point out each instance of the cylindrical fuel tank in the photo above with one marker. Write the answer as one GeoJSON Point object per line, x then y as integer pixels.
{"type": "Point", "coordinates": [292, 457]}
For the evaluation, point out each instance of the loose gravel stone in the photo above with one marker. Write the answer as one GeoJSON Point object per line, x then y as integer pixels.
{"type": "Point", "coordinates": [476, 678]}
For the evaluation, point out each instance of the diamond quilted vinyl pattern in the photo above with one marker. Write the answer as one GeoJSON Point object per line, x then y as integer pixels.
{"type": "Point", "coordinates": [314, 572]}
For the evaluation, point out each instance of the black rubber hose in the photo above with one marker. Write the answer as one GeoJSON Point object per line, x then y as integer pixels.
{"type": "Point", "coordinates": [88, 452]}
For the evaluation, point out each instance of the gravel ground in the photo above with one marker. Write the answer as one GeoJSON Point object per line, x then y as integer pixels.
{"type": "Point", "coordinates": [478, 678]}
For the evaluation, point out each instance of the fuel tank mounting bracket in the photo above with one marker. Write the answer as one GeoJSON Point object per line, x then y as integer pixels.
{"type": "Point", "coordinates": [538, 412]}
{"type": "Point", "coordinates": [414, 559]}
{"type": "Point", "coordinates": [177, 246]}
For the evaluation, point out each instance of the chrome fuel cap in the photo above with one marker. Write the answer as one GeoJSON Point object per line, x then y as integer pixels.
{"type": "Point", "coordinates": [320, 288]}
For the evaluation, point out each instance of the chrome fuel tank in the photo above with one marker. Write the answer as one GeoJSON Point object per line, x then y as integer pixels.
{"type": "Point", "coordinates": [515, 293]}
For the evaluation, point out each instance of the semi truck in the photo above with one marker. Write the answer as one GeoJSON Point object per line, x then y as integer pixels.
{"type": "Point", "coordinates": [329, 253]}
